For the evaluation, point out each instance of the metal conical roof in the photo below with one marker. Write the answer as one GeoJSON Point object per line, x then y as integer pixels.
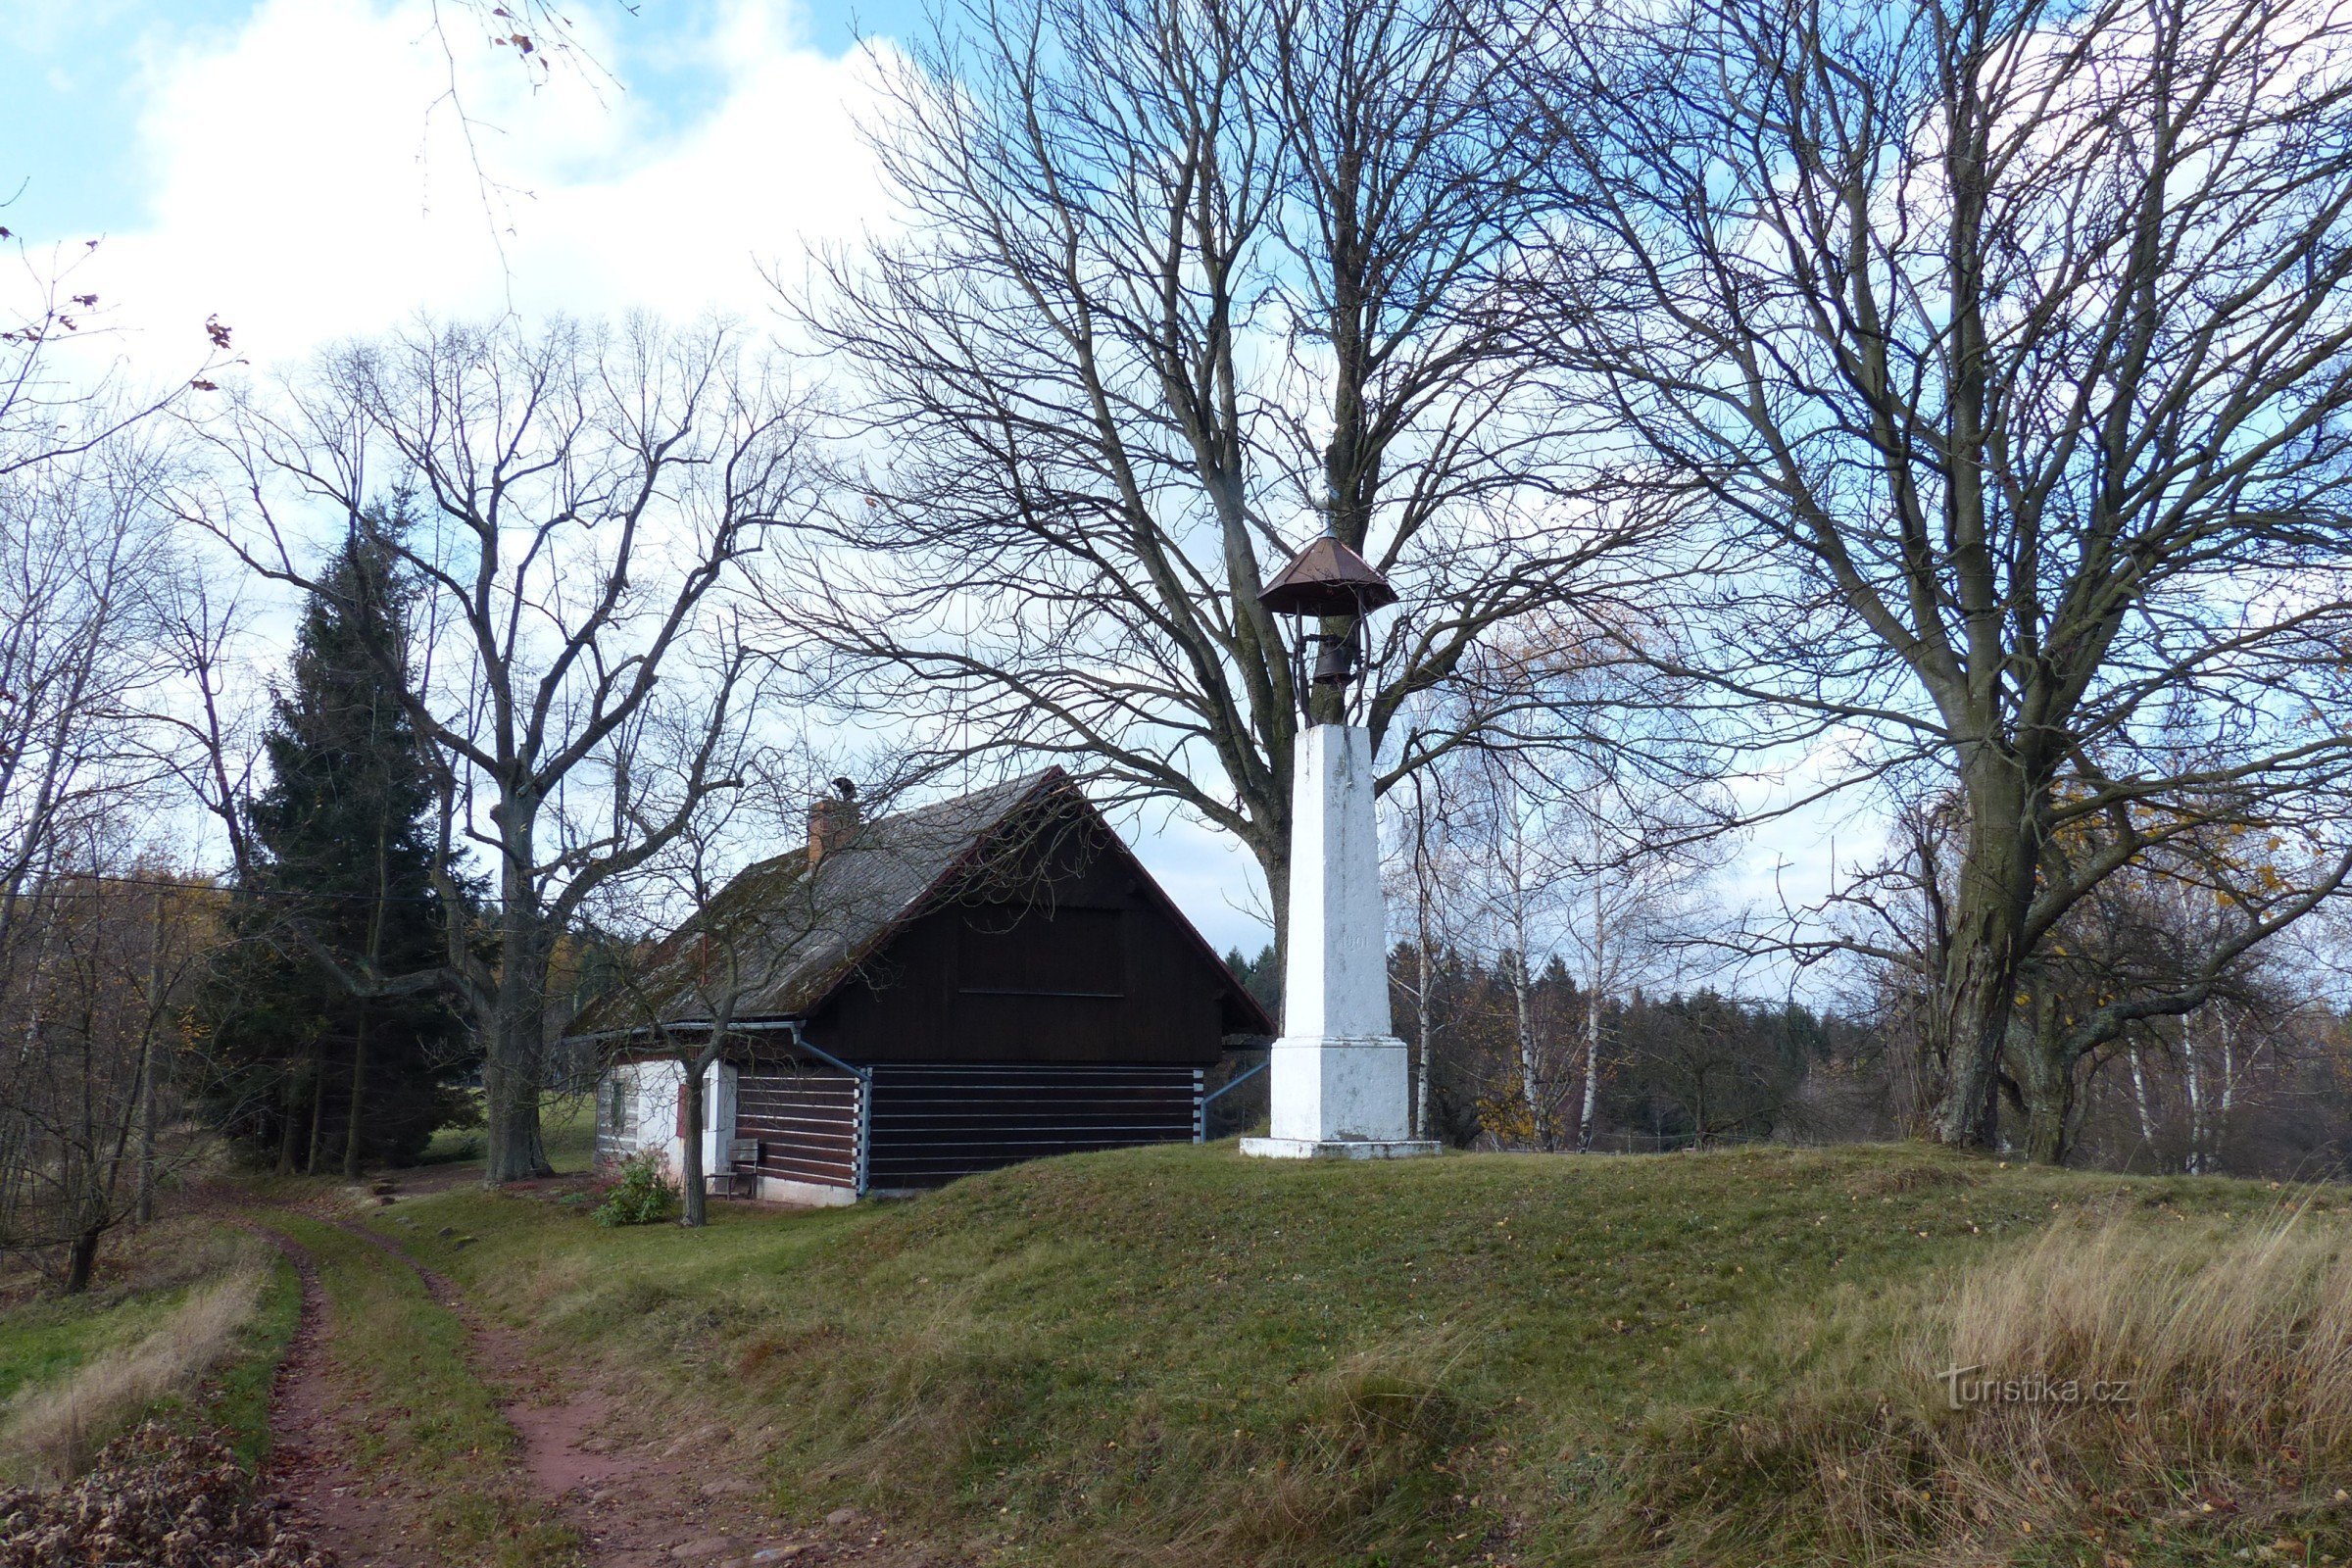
{"type": "Point", "coordinates": [1327, 579]}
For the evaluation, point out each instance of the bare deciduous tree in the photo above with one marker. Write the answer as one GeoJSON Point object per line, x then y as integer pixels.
{"type": "Point", "coordinates": [1176, 287]}
{"type": "Point", "coordinates": [88, 571]}
{"type": "Point", "coordinates": [583, 498]}
{"type": "Point", "coordinates": [1999, 357]}
{"type": "Point", "coordinates": [95, 1012]}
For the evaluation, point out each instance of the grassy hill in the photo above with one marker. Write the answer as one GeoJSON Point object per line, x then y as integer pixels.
{"type": "Point", "coordinates": [1175, 1356]}
{"type": "Point", "coordinates": [187, 1325]}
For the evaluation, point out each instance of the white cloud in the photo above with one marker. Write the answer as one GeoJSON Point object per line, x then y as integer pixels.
{"type": "Point", "coordinates": [312, 178]}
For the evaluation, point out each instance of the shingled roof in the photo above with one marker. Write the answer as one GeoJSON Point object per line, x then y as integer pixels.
{"type": "Point", "coordinates": [792, 934]}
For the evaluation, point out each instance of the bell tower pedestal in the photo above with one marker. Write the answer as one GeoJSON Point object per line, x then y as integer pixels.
{"type": "Point", "coordinates": [1341, 1083]}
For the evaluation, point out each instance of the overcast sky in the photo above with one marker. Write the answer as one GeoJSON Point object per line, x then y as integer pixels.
{"type": "Point", "coordinates": [298, 169]}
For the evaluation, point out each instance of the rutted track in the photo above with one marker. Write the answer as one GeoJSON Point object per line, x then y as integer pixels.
{"type": "Point", "coordinates": [622, 1506]}
{"type": "Point", "coordinates": [308, 1469]}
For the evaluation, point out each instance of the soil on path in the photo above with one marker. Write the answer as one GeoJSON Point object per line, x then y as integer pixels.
{"type": "Point", "coordinates": [632, 1502]}
{"type": "Point", "coordinates": [309, 1470]}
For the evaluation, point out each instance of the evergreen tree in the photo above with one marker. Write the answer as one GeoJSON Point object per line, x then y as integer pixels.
{"type": "Point", "coordinates": [317, 1060]}
{"type": "Point", "coordinates": [1261, 976]}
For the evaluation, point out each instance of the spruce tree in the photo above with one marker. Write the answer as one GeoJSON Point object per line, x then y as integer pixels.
{"type": "Point", "coordinates": [317, 1061]}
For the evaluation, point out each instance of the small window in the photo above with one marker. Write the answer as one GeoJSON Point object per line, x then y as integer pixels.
{"type": "Point", "coordinates": [617, 1102]}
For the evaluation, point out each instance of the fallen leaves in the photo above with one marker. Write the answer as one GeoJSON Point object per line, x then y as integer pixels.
{"type": "Point", "coordinates": [155, 1498]}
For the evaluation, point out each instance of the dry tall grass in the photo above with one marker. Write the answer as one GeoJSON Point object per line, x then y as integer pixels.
{"type": "Point", "coordinates": [2235, 1347]}
{"type": "Point", "coordinates": [2135, 1368]}
{"type": "Point", "coordinates": [49, 1434]}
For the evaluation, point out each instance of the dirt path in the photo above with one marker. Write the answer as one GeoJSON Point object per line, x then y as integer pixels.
{"type": "Point", "coordinates": [308, 1471]}
{"type": "Point", "coordinates": [632, 1504]}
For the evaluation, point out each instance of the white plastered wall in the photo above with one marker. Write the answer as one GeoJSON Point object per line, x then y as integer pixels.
{"type": "Point", "coordinates": [657, 1083]}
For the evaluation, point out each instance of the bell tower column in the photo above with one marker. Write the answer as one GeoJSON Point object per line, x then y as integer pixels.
{"type": "Point", "coordinates": [1339, 1081]}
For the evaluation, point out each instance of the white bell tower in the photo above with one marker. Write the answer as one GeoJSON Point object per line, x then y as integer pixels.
{"type": "Point", "coordinates": [1340, 1082]}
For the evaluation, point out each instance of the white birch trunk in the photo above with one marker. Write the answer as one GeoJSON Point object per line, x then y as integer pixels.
{"type": "Point", "coordinates": [2140, 1095]}
{"type": "Point", "coordinates": [2194, 1081]}
{"type": "Point", "coordinates": [1594, 997]}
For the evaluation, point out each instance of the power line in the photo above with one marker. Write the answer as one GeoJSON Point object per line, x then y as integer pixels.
{"type": "Point", "coordinates": [71, 886]}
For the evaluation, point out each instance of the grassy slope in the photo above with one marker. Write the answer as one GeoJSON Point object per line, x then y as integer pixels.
{"type": "Point", "coordinates": [46, 1338]}
{"type": "Point", "coordinates": [1177, 1356]}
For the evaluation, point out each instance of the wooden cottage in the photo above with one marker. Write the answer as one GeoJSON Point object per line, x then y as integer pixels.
{"type": "Point", "coordinates": [935, 991]}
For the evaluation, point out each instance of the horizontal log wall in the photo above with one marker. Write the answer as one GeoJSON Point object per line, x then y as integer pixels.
{"type": "Point", "coordinates": [936, 1121]}
{"type": "Point", "coordinates": [806, 1124]}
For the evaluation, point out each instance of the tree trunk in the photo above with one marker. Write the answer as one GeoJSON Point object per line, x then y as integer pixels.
{"type": "Point", "coordinates": [81, 1259]}
{"type": "Point", "coordinates": [1426, 1037]}
{"type": "Point", "coordinates": [511, 1084]}
{"type": "Point", "coordinates": [148, 1063]}
{"type": "Point", "coordinates": [693, 1113]}
{"type": "Point", "coordinates": [2193, 1080]}
{"type": "Point", "coordinates": [146, 1209]}
{"type": "Point", "coordinates": [2139, 1097]}
{"type": "Point", "coordinates": [2049, 1108]}
{"type": "Point", "coordinates": [318, 1072]}
{"type": "Point", "coordinates": [359, 1080]}
{"type": "Point", "coordinates": [358, 1044]}
{"type": "Point", "coordinates": [1980, 979]}
{"type": "Point", "coordinates": [2217, 1127]}
{"type": "Point", "coordinates": [2049, 1087]}
{"type": "Point", "coordinates": [1583, 1118]}
{"type": "Point", "coordinates": [1276, 869]}
{"type": "Point", "coordinates": [289, 1121]}
{"type": "Point", "coordinates": [1523, 1005]}
{"type": "Point", "coordinates": [512, 1067]}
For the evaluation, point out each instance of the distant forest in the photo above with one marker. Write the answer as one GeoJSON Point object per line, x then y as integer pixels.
{"type": "Point", "coordinates": [2241, 1090]}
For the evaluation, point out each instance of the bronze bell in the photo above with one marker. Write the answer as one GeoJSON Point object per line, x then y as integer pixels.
{"type": "Point", "coordinates": [1335, 659]}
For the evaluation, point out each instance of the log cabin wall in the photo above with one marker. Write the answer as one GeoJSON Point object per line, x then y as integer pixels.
{"type": "Point", "coordinates": [935, 1121]}
{"type": "Point", "coordinates": [807, 1124]}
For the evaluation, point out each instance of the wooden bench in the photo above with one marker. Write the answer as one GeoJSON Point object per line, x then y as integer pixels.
{"type": "Point", "coordinates": [740, 1178]}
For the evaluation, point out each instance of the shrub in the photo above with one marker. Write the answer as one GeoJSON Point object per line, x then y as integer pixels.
{"type": "Point", "coordinates": [643, 1196]}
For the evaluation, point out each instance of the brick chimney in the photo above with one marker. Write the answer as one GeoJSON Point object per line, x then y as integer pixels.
{"type": "Point", "coordinates": [832, 820]}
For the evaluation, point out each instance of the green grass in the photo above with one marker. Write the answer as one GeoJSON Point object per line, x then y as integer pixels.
{"type": "Point", "coordinates": [236, 1402]}
{"type": "Point", "coordinates": [1178, 1355]}
{"type": "Point", "coordinates": [429, 1420]}
{"type": "Point", "coordinates": [566, 1126]}
{"type": "Point", "coordinates": [450, 1145]}
{"type": "Point", "coordinates": [45, 1337]}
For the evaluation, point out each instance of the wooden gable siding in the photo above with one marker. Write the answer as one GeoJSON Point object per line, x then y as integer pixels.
{"type": "Point", "coordinates": [935, 1121]}
{"type": "Point", "coordinates": [805, 1122]}
{"type": "Point", "coordinates": [1088, 969]}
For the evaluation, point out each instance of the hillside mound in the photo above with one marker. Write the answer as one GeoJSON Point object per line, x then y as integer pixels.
{"type": "Point", "coordinates": [1177, 1356]}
